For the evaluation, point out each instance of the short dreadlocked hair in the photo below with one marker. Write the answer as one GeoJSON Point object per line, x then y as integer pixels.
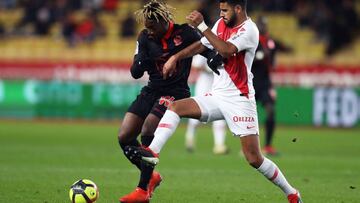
{"type": "Point", "coordinates": [155, 10]}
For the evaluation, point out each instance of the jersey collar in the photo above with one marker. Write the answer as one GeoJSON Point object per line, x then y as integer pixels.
{"type": "Point", "coordinates": [169, 31]}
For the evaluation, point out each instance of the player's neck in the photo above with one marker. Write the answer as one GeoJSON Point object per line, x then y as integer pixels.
{"type": "Point", "coordinates": [241, 20]}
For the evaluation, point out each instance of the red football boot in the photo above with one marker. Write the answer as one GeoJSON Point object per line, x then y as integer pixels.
{"type": "Point", "coordinates": [137, 196]}
{"type": "Point", "coordinates": [270, 150]}
{"type": "Point", "coordinates": [295, 198]}
{"type": "Point", "coordinates": [154, 182]}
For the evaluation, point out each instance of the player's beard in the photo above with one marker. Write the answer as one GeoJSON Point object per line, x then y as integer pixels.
{"type": "Point", "coordinates": [231, 21]}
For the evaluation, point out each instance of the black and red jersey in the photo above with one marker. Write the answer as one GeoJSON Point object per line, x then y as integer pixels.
{"type": "Point", "coordinates": [153, 53]}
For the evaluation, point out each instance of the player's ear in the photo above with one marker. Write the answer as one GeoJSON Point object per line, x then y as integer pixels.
{"type": "Point", "coordinates": [238, 9]}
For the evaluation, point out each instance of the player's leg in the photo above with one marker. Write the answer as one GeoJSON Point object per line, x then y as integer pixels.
{"type": "Point", "coordinates": [241, 116]}
{"type": "Point", "coordinates": [129, 130]}
{"type": "Point", "coordinates": [168, 124]}
{"type": "Point", "coordinates": [201, 107]}
{"type": "Point", "coordinates": [251, 148]}
{"type": "Point", "coordinates": [150, 179]}
{"type": "Point", "coordinates": [219, 131]}
{"type": "Point", "coordinates": [190, 134]}
{"type": "Point", "coordinates": [269, 104]}
{"type": "Point", "coordinates": [133, 122]}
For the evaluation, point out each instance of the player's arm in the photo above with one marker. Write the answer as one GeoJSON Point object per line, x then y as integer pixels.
{"type": "Point", "coordinates": [141, 60]}
{"type": "Point", "coordinates": [169, 67]}
{"type": "Point", "coordinates": [191, 50]}
{"type": "Point", "coordinates": [214, 59]}
{"type": "Point", "coordinates": [224, 48]}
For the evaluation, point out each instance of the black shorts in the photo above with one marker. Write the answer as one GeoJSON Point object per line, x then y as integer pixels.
{"type": "Point", "coordinates": [155, 102]}
{"type": "Point", "coordinates": [262, 95]}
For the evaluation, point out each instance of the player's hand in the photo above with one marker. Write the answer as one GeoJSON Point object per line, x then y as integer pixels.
{"type": "Point", "coordinates": [214, 62]}
{"type": "Point", "coordinates": [169, 68]}
{"type": "Point", "coordinates": [195, 18]}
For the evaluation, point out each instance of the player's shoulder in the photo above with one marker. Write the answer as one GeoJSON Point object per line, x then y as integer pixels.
{"type": "Point", "coordinates": [250, 26]}
{"type": "Point", "coordinates": [143, 34]}
{"type": "Point", "coordinates": [186, 31]}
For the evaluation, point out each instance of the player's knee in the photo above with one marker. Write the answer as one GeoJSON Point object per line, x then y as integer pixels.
{"type": "Point", "coordinates": [123, 137]}
{"type": "Point", "coordinates": [255, 162]}
{"type": "Point", "coordinates": [254, 158]}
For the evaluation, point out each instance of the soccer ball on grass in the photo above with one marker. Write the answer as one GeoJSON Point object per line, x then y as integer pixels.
{"type": "Point", "coordinates": [83, 191]}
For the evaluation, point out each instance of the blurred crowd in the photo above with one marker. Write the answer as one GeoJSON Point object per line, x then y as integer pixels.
{"type": "Point", "coordinates": [335, 22]}
{"type": "Point", "coordinates": [39, 17]}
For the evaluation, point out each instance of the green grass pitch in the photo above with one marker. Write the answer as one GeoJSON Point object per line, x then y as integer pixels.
{"type": "Point", "coordinates": [40, 160]}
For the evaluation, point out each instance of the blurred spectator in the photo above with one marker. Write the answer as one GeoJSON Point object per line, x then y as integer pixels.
{"type": "Point", "coordinates": [128, 26]}
{"type": "Point", "coordinates": [343, 26]}
{"type": "Point", "coordinates": [61, 7]}
{"type": "Point", "coordinates": [110, 5]}
{"type": "Point", "coordinates": [68, 28]}
{"type": "Point", "coordinates": [44, 19]}
{"type": "Point", "coordinates": [89, 29]}
{"type": "Point", "coordinates": [38, 15]}
{"type": "Point", "coordinates": [30, 9]}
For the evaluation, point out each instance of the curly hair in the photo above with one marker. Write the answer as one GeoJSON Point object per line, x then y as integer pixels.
{"type": "Point", "coordinates": [155, 10]}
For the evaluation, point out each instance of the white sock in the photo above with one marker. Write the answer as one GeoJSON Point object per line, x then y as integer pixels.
{"type": "Point", "coordinates": [270, 170]}
{"type": "Point", "coordinates": [190, 131]}
{"type": "Point", "coordinates": [219, 132]}
{"type": "Point", "coordinates": [165, 129]}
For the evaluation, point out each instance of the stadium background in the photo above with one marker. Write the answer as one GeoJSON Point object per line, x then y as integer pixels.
{"type": "Point", "coordinates": [66, 63]}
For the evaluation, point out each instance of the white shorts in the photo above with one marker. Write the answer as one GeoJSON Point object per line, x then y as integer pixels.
{"type": "Point", "coordinates": [239, 112]}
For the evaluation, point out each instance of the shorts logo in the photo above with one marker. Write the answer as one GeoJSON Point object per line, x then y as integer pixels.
{"type": "Point", "coordinates": [243, 119]}
{"type": "Point", "coordinates": [250, 127]}
{"type": "Point", "coordinates": [178, 40]}
{"type": "Point", "coordinates": [166, 100]}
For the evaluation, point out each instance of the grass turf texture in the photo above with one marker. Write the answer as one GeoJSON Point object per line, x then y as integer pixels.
{"type": "Point", "coordinates": [40, 160]}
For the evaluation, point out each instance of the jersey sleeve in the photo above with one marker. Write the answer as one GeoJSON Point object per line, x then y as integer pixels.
{"type": "Point", "coordinates": [245, 38]}
{"type": "Point", "coordinates": [205, 41]}
{"type": "Point", "coordinates": [138, 67]}
{"type": "Point", "coordinates": [191, 34]}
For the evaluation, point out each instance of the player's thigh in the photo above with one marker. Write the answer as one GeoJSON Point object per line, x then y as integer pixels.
{"type": "Point", "coordinates": [143, 103]}
{"type": "Point", "coordinates": [240, 114]}
{"type": "Point", "coordinates": [187, 108]}
{"type": "Point", "coordinates": [135, 117]}
{"type": "Point", "coordinates": [209, 108]}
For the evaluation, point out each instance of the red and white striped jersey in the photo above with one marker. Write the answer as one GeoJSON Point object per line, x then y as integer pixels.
{"type": "Point", "coordinates": [235, 77]}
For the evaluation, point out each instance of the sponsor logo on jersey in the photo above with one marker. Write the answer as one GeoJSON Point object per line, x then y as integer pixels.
{"type": "Point", "coordinates": [243, 119]}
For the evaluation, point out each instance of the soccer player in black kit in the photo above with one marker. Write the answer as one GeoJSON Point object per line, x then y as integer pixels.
{"type": "Point", "coordinates": [263, 65]}
{"type": "Point", "coordinates": [160, 39]}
